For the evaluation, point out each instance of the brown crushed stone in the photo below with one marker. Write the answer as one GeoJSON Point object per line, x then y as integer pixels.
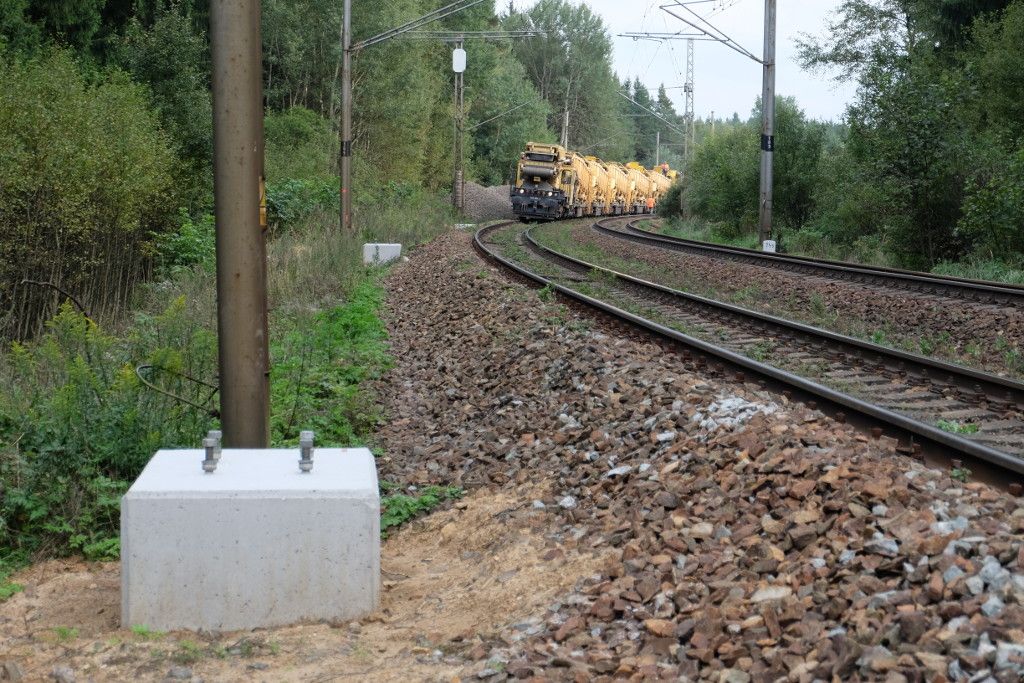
{"type": "Point", "coordinates": [487, 203]}
{"type": "Point", "coordinates": [754, 539]}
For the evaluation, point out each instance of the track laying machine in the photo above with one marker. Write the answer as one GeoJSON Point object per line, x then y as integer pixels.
{"type": "Point", "coordinates": [553, 182]}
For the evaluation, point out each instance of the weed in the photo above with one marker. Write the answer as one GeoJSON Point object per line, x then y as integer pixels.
{"type": "Point", "coordinates": [188, 652]}
{"type": "Point", "coordinates": [761, 351]}
{"type": "Point", "coordinates": [65, 633]}
{"type": "Point", "coordinates": [9, 588]}
{"type": "Point", "coordinates": [361, 652]}
{"type": "Point", "coordinates": [817, 305]}
{"type": "Point", "coordinates": [546, 293]}
{"type": "Point", "coordinates": [961, 474]}
{"type": "Point", "coordinates": [320, 367]}
{"type": "Point", "coordinates": [275, 648]}
{"type": "Point", "coordinates": [749, 294]}
{"type": "Point", "coordinates": [146, 633]}
{"type": "Point", "coordinates": [957, 427]}
{"type": "Point", "coordinates": [399, 508]}
{"type": "Point", "coordinates": [878, 337]}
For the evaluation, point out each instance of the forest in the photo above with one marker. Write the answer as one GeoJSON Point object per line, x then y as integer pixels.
{"type": "Point", "coordinates": [927, 168]}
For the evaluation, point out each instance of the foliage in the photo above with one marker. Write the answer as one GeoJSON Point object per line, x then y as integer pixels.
{"type": "Point", "coordinates": [723, 179]}
{"type": "Point", "coordinates": [84, 176]}
{"type": "Point", "coordinates": [398, 508]}
{"type": "Point", "coordinates": [670, 204]}
{"type": "Point", "coordinates": [930, 163]}
{"type": "Point", "coordinates": [319, 369]}
{"type": "Point", "coordinates": [76, 424]}
{"type": "Point", "coordinates": [171, 58]}
{"type": "Point", "coordinates": [192, 244]}
{"type": "Point", "coordinates": [300, 145]}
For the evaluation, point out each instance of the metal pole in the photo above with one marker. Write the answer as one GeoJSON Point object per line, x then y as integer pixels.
{"type": "Point", "coordinates": [764, 230]}
{"type": "Point", "coordinates": [345, 147]}
{"type": "Point", "coordinates": [565, 127]}
{"type": "Point", "coordinates": [458, 182]}
{"type": "Point", "coordinates": [241, 255]}
{"type": "Point", "coordinates": [657, 148]}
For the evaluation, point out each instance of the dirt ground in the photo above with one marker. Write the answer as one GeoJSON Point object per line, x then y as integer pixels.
{"type": "Point", "coordinates": [451, 581]}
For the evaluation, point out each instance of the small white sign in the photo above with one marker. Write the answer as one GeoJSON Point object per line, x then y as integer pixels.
{"type": "Point", "coordinates": [458, 60]}
{"type": "Point", "coordinates": [769, 245]}
{"type": "Point", "coordinates": [376, 254]}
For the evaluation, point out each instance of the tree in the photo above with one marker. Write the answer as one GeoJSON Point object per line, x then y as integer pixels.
{"type": "Point", "coordinates": [85, 179]}
{"type": "Point", "coordinates": [569, 65]}
{"type": "Point", "coordinates": [172, 59]}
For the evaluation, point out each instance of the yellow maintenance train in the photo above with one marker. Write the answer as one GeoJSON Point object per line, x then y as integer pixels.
{"type": "Point", "coordinates": [553, 182]}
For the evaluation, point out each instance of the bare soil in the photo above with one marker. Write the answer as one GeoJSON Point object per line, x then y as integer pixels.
{"type": "Point", "coordinates": [474, 569]}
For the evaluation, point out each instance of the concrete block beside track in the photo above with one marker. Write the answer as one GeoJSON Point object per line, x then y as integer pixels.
{"type": "Point", "coordinates": [257, 543]}
{"type": "Point", "coordinates": [379, 254]}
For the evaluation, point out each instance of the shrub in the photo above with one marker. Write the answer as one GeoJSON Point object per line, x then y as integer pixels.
{"type": "Point", "coordinates": [84, 181]}
{"type": "Point", "coordinates": [300, 145]}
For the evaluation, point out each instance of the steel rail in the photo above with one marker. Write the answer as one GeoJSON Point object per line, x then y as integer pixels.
{"type": "Point", "coordinates": [926, 435]}
{"type": "Point", "coordinates": [964, 288]}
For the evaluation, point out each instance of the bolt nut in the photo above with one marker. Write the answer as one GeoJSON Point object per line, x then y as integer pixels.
{"type": "Point", "coordinates": [306, 451]}
{"type": "Point", "coordinates": [210, 461]}
{"type": "Point", "coordinates": [216, 435]}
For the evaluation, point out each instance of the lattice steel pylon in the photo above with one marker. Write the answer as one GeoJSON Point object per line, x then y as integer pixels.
{"type": "Point", "coordinates": [689, 142]}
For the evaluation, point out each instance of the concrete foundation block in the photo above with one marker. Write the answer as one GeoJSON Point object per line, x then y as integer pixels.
{"type": "Point", "coordinates": [378, 254]}
{"type": "Point", "coordinates": [256, 543]}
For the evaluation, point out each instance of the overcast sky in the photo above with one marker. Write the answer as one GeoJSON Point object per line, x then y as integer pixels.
{"type": "Point", "coordinates": [724, 81]}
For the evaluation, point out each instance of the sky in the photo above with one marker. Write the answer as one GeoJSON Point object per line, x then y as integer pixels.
{"type": "Point", "coordinates": [724, 81]}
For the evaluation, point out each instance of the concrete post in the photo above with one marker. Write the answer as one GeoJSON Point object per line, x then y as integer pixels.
{"type": "Point", "coordinates": [764, 230]}
{"type": "Point", "coordinates": [236, 52]}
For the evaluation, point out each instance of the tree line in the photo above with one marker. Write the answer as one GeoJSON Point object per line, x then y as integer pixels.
{"type": "Point", "coordinates": [106, 124]}
{"type": "Point", "coordinates": [927, 166]}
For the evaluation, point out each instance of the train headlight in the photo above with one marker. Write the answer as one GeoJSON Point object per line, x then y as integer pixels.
{"type": "Point", "coordinates": [522, 191]}
{"type": "Point", "coordinates": [550, 193]}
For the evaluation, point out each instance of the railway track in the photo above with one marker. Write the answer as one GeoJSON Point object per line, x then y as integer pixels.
{"type": "Point", "coordinates": [887, 390]}
{"type": "Point", "coordinates": [980, 291]}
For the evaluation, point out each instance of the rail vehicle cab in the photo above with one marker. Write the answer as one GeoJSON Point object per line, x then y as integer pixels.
{"type": "Point", "coordinates": [544, 183]}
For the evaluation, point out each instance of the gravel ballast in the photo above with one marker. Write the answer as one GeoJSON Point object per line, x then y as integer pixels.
{"type": "Point", "coordinates": [983, 335]}
{"type": "Point", "coordinates": [751, 538]}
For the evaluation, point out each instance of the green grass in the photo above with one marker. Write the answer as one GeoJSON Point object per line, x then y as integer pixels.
{"type": "Point", "coordinates": [9, 588]}
{"type": "Point", "coordinates": [996, 271]}
{"type": "Point", "coordinates": [188, 652]}
{"type": "Point", "coordinates": [145, 633]}
{"type": "Point", "coordinates": [955, 427]}
{"type": "Point", "coordinates": [399, 508]}
{"type": "Point", "coordinates": [65, 633]}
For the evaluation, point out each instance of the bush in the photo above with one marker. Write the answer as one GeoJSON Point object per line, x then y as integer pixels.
{"type": "Point", "coordinates": [193, 243]}
{"type": "Point", "coordinates": [76, 425]}
{"type": "Point", "coordinates": [300, 145]}
{"type": "Point", "coordinates": [669, 207]}
{"type": "Point", "coordinates": [84, 181]}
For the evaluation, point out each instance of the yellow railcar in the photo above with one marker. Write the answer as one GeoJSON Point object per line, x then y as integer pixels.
{"type": "Point", "coordinates": [553, 182]}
